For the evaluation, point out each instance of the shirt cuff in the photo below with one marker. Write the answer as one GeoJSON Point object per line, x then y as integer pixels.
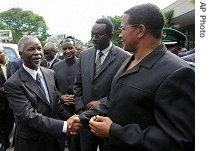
{"type": "Point", "coordinates": [65, 127]}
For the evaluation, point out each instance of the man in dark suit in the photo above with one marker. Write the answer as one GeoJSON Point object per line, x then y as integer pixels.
{"type": "Point", "coordinates": [6, 115]}
{"type": "Point", "coordinates": [50, 55]}
{"type": "Point", "coordinates": [32, 95]}
{"type": "Point", "coordinates": [92, 87]}
{"type": "Point", "coordinates": [152, 100]}
{"type": "Point", "coordinates": [173, 39]}
{"type": "Point", "coordinates": [15, 65]}
{"type": "Point", "coordinates": [65, 71]}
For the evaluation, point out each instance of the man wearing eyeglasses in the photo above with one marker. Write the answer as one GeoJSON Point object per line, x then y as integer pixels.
{"type": "Point", "coordinates": [95, 71]}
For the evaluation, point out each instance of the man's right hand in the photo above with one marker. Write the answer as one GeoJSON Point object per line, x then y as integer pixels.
{"type": "Point", "coordinates": [74, 125]}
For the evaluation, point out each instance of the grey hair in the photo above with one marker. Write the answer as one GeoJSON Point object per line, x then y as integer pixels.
{"type": "Point", "coordinates": [50, 45]}
{"type": "Point", "coordinates": [22, 41]}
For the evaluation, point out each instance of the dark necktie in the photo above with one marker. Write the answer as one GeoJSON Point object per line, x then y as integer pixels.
{"type": "Point", "coordinates": [38, 81]}
{"type": "Point", "coordinates": [98, 61]}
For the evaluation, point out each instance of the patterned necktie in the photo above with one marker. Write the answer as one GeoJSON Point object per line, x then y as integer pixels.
{"type": "Point", "coordinates": [98, 61]}
{"type": "Point", "coordinates": [39, 83]}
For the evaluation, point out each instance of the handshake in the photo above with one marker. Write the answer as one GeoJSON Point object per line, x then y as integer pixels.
{"type": "Point", "coordinates": [98, 124]}
{"type": "Point", "coordinates": [74, 125]}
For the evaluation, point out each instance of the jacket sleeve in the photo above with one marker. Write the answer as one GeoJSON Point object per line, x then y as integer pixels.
{"type": "Point", "coordinates": [101, 110]}
{"type": "Point", "coordinates": [26, 114]}
{"type": "Point", "coordinates": [77, 88]}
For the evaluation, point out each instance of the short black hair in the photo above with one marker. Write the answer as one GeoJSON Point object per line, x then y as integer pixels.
{"type": "Point", "coordinates": [68, 39]}
{"type": "Point", "coordinates": [149, 15]}
{"type": "Point", "coordinates": [109, 25]}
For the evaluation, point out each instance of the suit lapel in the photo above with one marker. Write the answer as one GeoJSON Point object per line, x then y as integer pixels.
{"type": "Point", "coordinates": [91, 64]}
{"type": "Point", "coordinates": [49, 84]}
{"type": "Point", "coordinates": [2, 74]}
{"type": "Point", "coordinates": [147, 62]}
{"type": "Point", "coordinates": [30, 83]}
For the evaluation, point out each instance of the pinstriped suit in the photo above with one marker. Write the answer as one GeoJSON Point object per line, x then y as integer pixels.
{"type": "Point", "coordinates": [6, 115]}
{"type": "Point", "coordinates": [37, 120]}
{"type": "Point", "coordinates": [89, 87]}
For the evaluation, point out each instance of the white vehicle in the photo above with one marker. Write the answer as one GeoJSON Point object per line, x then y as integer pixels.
{"type": "Point", "coordinates": [11, 51]}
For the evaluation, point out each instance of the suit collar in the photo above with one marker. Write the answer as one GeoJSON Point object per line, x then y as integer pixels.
{"type": "Point", "coordinates": [31, 84]}
{"type": "Point", "coordinates": [109, 58]}
{"type": "Point", "coordinates": [147, 62]}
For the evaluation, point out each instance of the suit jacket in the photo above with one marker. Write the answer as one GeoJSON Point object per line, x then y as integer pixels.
{"type": "Point", "coordinates": [15, 65]}
{"type": "Point", "coordinates": [88, 86]}
{"type": "Point", "coordinates": [6, 115]}
{"type": "Point", "coordinates": [152, 105]}
{"type": "Point", "coordinates": [65, 72]}
{"type": "Point", "coordinates": [44, 63]}
{"type": "Point", "coordinates": [38, 124]}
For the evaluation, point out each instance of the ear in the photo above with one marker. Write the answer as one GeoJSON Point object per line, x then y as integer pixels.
{"type": "Point", "coordinates": [111, 35]}
{"type": "Point", "coordinates": [141, 30]}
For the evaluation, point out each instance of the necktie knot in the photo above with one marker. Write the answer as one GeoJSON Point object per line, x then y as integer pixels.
{"type": "Point", "coordinates": [100, 54]}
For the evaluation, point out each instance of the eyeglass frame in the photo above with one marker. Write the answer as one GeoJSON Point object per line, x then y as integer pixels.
{"type": "Point", "coordinates": [124, 28]}
{"type": "Point", "coordinates": [97, 35]}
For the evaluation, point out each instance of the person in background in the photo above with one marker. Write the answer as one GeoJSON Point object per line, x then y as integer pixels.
{"type": "Point", "coordinates": [32, 96]}
{"type": "Point", "coordinates": [151, 106]}
{"type": "Point", "coordinates": [6, 114]}
{"type": "Point", "coordinates": [173, 39]}
{"type": "Point", "coordinates": [78, 50]}
{"type": "Point", "coordinates": [93, 80]}
{"type": "Point", "coordinates": [65, 71]}
{"type": "Point", "coordinates": [50, 55]}
{"type": "Point", "coordinates": [68, 37]}
{"type": "Point", "coordinates": [15, 65]}
{"type": "Point", "coordinates": [188, 55]}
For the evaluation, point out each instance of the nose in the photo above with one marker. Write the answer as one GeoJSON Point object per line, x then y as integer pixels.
{"type": "Point", "coordinates": [93, 38]}
{"type": "Point", "coordinates": [120, 35]}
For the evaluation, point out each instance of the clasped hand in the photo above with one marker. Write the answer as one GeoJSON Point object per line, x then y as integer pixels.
{"type": "Point", "coordinates": [73, 125]}
{"type": "Point", "coordinates": [100, 125]}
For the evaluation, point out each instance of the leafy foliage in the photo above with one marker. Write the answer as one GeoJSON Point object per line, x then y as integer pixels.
{"type": "Point", "coordinates": [24, 23]}
{"type": "Point", "coordinates": [168, 15]}
{"type": "Point", "coordinates": [116, 20]}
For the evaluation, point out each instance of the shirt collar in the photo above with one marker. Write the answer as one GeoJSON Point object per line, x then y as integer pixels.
{"type": "Point", "coordinates": [106, 50]}
{"type": "Point", "coordinates": [32, 72]}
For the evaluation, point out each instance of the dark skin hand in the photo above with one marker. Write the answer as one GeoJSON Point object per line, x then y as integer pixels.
{"type": "Point", "coordinates": [92, 105]}
{"type": "Point", "coordinates": [100, 125]}
{"type": "Point", "coordinates": [67, 99]}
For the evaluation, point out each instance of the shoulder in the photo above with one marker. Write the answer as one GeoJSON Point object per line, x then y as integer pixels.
{"type": "Point", "coordinates": [14, 79]}
{"type": "Point", "coordinates": [87, 51]}
{"type": "Point", "coordinates": [121, 51]}
{"type": "Point", "coordinates": [47, 71]}
{"type": "Point", "coordinates": [59, 63]}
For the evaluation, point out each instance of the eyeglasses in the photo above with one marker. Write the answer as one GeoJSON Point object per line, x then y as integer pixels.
{"type": "Point", "coordinates": [97, 35]}
{"type": "Point", "coordinates": [124, 28]}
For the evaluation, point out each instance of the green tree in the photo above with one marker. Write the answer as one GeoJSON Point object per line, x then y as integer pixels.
{"type": "Point", "coordinates": [116, 20]}
{"type": "Point", "coordinates": [2, 25]}
{"type": "Point", "coordinates": [168, 15]}
{"type": "Point", "coordinates": [24, 23]}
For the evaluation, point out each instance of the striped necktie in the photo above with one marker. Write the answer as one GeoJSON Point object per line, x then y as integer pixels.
{"type": "Point", "coordinates": [39, 83]}
{"type": "Point", "coordinates": [98, 61]}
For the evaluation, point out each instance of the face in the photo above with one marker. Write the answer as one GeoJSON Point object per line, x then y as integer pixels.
{"type": "Point", "coordinates": [69, 50]}
{"type": "Point", "coordinates": [32, 53]}
{"type": "Point", "coordinates": [49, 53]}
{"type": "Point", "coordinates": [2, 55]}
{"type": "Point", "coordinates": [99, 36]}
{"type": "Point", "coordinates": [128, 34]}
